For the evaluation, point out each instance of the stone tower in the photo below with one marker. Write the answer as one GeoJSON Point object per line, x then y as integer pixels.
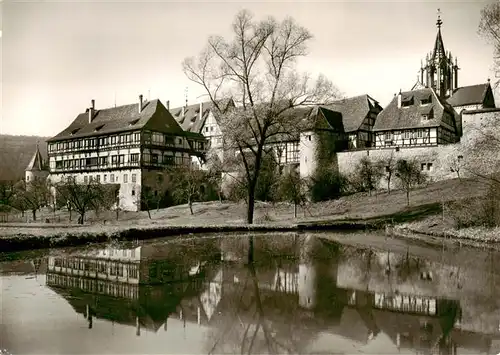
{"type": "Point", "coordinates": [36, 169]}
{"type": "Point", "coordinates": [439, 72]}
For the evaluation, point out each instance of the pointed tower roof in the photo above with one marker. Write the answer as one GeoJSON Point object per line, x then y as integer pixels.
{"type": "Point", "coordinates": [438, 44]}
{"type": "Point", "coordinates": [36, 162]}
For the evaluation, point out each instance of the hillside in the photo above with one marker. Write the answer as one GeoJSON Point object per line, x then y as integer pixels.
{"type": "Point", "coordinates": [16, 152]}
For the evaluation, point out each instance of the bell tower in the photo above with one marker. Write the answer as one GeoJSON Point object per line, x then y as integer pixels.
{"type": "Point", "coordinates": [438, 70]}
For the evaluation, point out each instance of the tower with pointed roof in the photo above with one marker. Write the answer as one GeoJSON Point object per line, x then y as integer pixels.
{"type": "Point", "coordinates": [36, 168]}
{"type": "Point", "coordinates": [439, 72]}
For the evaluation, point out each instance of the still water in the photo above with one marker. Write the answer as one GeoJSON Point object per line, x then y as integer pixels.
{"type": "Point", "coordinates": [302, 293]}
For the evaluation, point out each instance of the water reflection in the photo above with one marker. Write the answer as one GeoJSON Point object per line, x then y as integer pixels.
{"type": "Point", "coordinates": [138, 286]}
{"type": "Point", "coordinates": [285, 294]}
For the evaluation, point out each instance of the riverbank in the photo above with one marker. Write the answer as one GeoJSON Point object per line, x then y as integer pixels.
{"type": "Point", "coordinates": [423, 220]}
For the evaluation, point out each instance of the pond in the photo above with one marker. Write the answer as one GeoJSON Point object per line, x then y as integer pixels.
{"type": "Point", "coordinates": [256, 294]}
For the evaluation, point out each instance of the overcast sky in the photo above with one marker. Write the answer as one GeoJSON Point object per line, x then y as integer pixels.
{"type": "Point", "coordinates": [57, 56]}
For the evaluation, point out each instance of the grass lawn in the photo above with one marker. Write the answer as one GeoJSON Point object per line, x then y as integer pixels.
{"type": "Point", "coordinates": [424, 212]}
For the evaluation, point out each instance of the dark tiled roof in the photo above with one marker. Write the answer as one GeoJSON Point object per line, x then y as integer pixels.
{"type": "Point", "coordinates": [192, 121]}
{"type": "Point", "coordinates": [36, 162]}
{"type": "Point", "coordinates": [438, 46]}
{"type": "Point", "coordinates": [393, 117]}
{"type": "Point", "coordinates": [469, 95]}
{"type": "Point", "coordinates": [354, 110]}
{"type": "Point", "coordinates": [122, 118]}
{"type": "Point", "coordinates": [308, 118]}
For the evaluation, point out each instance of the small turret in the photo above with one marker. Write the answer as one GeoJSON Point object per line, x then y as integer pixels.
{"type": "Point", "coordinates": [36, 168]}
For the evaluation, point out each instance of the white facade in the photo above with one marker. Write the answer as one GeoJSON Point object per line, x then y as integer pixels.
{"type": "Point", "coordinates": [408, 137]}
{"type": "Point", "coordinates": [308, 146]}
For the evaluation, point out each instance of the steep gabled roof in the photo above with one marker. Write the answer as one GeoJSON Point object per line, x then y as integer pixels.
{"type": "Point", "coordinates": [469, 95]}
{"type": "Point", "coordinates": [122, 118]}
{"type": "Point", "coordinates": [36, 162]}
{"type": "Point", "coordinates": [354, 110]}
{"type": "Point", "coordinates": [393, 117]}
{"type": "Point", "coordinates": [193, 121]}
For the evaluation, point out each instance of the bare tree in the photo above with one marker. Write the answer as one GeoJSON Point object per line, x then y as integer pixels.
{"type": "Point", "coordinates": [489, 28]}
{"type": "Point", "coordinates": [369, 174]}
{"type": "Point", "coordinates": [409, 175]}
{"type": "Point", "coordinates": [31, 195]}
{"type": "Point", "coordinates": [456, 164]}
{"type": "Point", "coordinates": [389, 164]}
{"type": "Point", "coordinates": [186, 185]}
{"type": "Point", "coordinates": [215, 171]}
{"type": "Point", "coordinates": [257, 70]}
{"type": "Point", "coordinates": [88, 196]}
{"type": "Point", "coordinates": [292, 188]}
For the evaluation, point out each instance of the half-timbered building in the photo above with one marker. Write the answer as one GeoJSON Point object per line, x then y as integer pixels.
{"type": "Point", "coordinates": [358, 118]}
{"type": "Point", "coordinates": [200, 118]}
{"type": "Point", "coordinates": [416, 118]}
{"type": "Point", "coordinates": [127, 145]}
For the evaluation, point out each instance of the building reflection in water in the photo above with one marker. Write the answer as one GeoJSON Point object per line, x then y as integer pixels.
{"type": "Point", "coordinates": [299, 289]}
{"type": "Point", "coordinates": [138, 286]}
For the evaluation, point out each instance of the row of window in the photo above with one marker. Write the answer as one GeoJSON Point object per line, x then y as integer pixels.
{"type": "Point", "coordinates": [112, 268]}
{"type": "Point", "coordinates": [96, 286]}
{"type": "Point", "coordinates": [112, 178]}
{"type": "Point", "coordinates": [82, 163]}
{"type": "Point", "coordinates": [92, 143]}
{"type": "Point", "coordinates": [154, 138]}
{"type": "Point", "coordinates": [410, 134]}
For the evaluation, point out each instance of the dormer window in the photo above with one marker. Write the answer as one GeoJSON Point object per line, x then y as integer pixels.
{"type": "Point", "coordinates": [428, 115]}
{"type": "Point", "coordinates": [74, 131]}
{"type": "Point", "coordinates": [98, 128]}
{"type": "Point", "coordinates": [426, 100]}
{"type": "Point", "coordinates": [133, 122]}
{"type": "Point", "coordinates": [406, 103]}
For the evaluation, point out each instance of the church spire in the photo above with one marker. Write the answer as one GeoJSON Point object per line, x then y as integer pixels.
{"type": "Point", "coordinates": [439, 51]}
{"type": "Point", "coordinates": [439, 22]}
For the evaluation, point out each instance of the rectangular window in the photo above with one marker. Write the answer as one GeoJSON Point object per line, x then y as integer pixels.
{"type": "Point", "coordinates": [113, 140]}
{"type": "Point", "coordinates": [388, 136]}
{"type": "Point", "coordinates": [134, 177]}
{"type": "Point", "coordinates": [429, 166]}
{"type": "Point", "coordinates": [169, 141]}
{"type": "Point", "coordinates": [206, 129]}
{"type": "Point", "coordinates": [422, 166]}
{"type": "Point", "coordinates": [112, 177]}
{"type": "Point", "coordinates": [134, 158]}
{"type": "Point", "coordinates": [407, 134]}
{"type": "Point", "coordinates": [105, 178]}
{"type": "Point", "coordinates": [419, 133]}
{"type": "Point", "coordinates": [154, 158]}
{"type": "Point", "coordinates": [133, 192]}
{"type": "Point", "coordinates": [114, 159]}
{"type": "Point", "coordinates": [125, 178]}
{"type": "Point", "coordinates": [121, 159]}
{"type": "Point", "coordinates": [137, 137]}
{"type": "Point", "coordinates": [98, 178]}
{"type": "Point", "coordinates": [168, 160]}
{"type": "Point", "coordinates": [157, 138]}
{"type": "Point", "coordinates": [86, 179]}
{"type": "Point", "coordinates": [180, 140]}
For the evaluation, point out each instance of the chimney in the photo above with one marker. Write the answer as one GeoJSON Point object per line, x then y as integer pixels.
{"type": "Point", "coordinates": [91, 110]}
{"type": "Point", "coordinates": [168, 105]}
{"type": "Point", "coordinates": [140, 103]}
{"type": "Point", "coordinates": [201, 108]}
{"type": "Point", "coordinates": [399, 99]}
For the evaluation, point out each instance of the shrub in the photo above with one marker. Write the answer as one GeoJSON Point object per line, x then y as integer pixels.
{"type": "Point", "coordinates": [476, 211]}
{"type": "Point", "coordinates": [326, 184]}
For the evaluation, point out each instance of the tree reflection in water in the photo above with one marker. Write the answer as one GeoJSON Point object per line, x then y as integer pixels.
{"type": "Point", "coordinates": [261, 319]}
